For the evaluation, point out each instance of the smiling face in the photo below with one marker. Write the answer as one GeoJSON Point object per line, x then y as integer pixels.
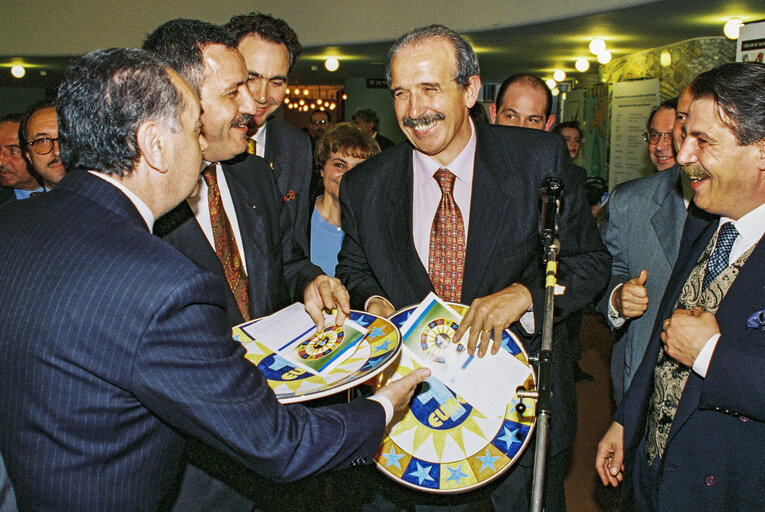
{"type": "Point", "coordinates": [336, 165]}
{"type": "Point", "coordinates": [227, 105]}
{"type": "Point", "coordinates": [522, 105]}
{"type": "Point", "coordinates": [44, 124]}
{"type": "Point", "coordinates": [431, 108]}
{"type": "Point", "coordinates": [267, 66]}
{"type": "Point", "coordinates": [13, 168]}
{"type": "Point", "coordinates": [727, 179]}
{"type": "Point", "coordinates": [662, 154]}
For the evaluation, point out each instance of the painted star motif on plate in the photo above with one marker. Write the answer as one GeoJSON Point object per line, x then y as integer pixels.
{"type": "Point", "coordinates": [487, 461]}
{"type": "Point", "coordinates": [382, 347]}
{"type": "Point", "coordinates": [376, 331]}
{"type": "Point", "coordinates": [422, 474]}
{"type": "Point", "coordinates": [392, 458]}
{"type": "Point", "coordinates": [456, 474]}
{"type": "Point", "coordinates": [508, 437]}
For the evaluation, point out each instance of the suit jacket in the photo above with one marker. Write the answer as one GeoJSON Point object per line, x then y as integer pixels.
{"type": "Point", "coordinates": [289, 153]}
{"type": "Point", "coordinates": [116, 343]}
{"type": "Point", "coordinates": [642, 231]}
{"type": "Point", "coordinates": [277, 270]}
{"type": "Point", "coordinates": [503, 246]}
{"type": "Point", "coordinates": [7, 194]}
{"type": "Point", "coordinates": [713, 458]}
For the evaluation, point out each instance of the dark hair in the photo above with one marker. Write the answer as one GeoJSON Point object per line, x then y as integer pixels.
{"type": "Point", "coordinates": [531, 80]}
{"type": "Point", "coordinates": [738, 90]}
{"type": "Point", "coordinates": [103, 99]}
{"type": "Point", "coordinates": [568, 124]}
{"type": "Point", "coordinates": [25, 119]}
{"type": "Point", "coordinates": [15, 117]}
{"type": "Point", "coordinates": [670, 103]}
{"type": "Point", "coordinates": [368, 116]}
{"type": "Point", "coordinates": [467, 62]}
{"type": "Point", "coordinates": [478, 113]}
{"type": "Point", "coordinates": [269, 28]}
{"type": "Point", "coordinates": [180, 43]}
{"type": "Point", "coordinates": [320, 111]}
{"type": "Point", "coordinates": [345, 138]}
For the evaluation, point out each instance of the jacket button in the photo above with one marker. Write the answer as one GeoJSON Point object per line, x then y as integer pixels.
{"type": "Point", "coordinates": [710, 481]}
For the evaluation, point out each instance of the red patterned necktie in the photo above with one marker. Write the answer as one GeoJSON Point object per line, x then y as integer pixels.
{"type": "Point", "coordinates": [446, 257]}
{"type": "Point", "coordinates": [225, 243]}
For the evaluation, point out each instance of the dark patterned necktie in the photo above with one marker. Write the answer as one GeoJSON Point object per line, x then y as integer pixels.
{"type": "Point", "coordinates": [225, 243]}
{"type": "Point", "coordinates": [446, 257]}
{"type": "Point", "coordinates": [718, 260]}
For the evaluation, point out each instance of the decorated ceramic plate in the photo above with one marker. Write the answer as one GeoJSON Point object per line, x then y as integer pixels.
{"type": "Point", "coordinates": [443, 444]}
{"type": "Point", "coordinates": [376, 350]}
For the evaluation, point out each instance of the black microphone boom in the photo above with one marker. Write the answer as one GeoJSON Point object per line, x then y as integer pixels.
{"type": "Point", "coordinates": [551, 191]}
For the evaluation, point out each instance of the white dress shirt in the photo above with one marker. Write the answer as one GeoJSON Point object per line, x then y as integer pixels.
{"type": "Point", "coordinates": [260, 139]}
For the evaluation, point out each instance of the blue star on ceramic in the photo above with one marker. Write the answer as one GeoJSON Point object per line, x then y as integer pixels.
{"type": "Point", "coordinates": [422, 474]}
{"type": "Point", "coordinates": [382, 347]}
{"type": "Point", "coordinates": [456, 474]}
{"type": "Point", "coordinates": [364, 320]}
{"type": "Point", "coordinates": [375, 333]}
{"type": "Point", "coordinates": [392, 458]}
{"type": "Point", "coordinates": [487, 461]}
{"type": "Point", "coordinates": [508, 437]}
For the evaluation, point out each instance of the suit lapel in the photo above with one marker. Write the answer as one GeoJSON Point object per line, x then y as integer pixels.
{"type": "Point", "coordinates": [488, 203]}
{"type": "Point", "coordinates": [668, 220]}
{"type": "Point", "coordinates": [399, 200]}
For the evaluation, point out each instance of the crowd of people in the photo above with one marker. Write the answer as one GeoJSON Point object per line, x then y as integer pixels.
{"type": "Point", "coordinates": [158, 202]}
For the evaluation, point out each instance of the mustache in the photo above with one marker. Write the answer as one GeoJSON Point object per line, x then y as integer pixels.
{"type": "Point", "coordinates": [53, 162]}
{"type": "Point", "coordinates": [241, 121]}
{"type": "Point", "coordinates": [696, 171]}
{"type": "Point", "coordinates": [423, 120]}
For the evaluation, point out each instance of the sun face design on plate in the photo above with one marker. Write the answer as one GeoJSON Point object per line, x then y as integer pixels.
{"type": "Point", "coordinates": [436, 338]}
{"type": "Point", "coordinates": [319, 345]}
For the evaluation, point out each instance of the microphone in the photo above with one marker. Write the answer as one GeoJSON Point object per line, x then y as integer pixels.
{"type": "Point", "coordinates": [551, 191]}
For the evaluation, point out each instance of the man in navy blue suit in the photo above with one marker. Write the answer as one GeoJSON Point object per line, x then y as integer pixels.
{"type": "Point", "coordinates": [16, 181]}
{"type": "Point", "coordinates": [114, 343]}
{"type": "Point", "coordinates": [689, 433]}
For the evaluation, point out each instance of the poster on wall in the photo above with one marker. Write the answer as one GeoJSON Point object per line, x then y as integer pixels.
{"type": "Point", "coordinates": [594, 150]}
{"type": "Point", "coordinates": [751, 42]}
{"type": "Point", "coordinates": [631, 106]}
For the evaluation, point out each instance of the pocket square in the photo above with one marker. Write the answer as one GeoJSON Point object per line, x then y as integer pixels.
{"type": "Point", "coordinates": [757, 320]}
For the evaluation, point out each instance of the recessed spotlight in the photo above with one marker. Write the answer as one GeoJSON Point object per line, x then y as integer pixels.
{"type": "Point", "coordinates": [555, 91]}
{"type": "Point", "coordinates": [732, 28]}
{"type": "Point", "coordinates": [582, 65]}
{"type": "Point", "coordinates": [604, 58]}
{"type": "Point", "coordinates": [597, 46]}
{"type": "Point", "coordinates": [559, 75]}
{"type": "Point", "coordinates": [331, 64]}
{"type": "Point", "coordinates": [665, 59]}
{"type": "Point", "coordinates": [551, 83]}
{"type": "Point", "coordinates": [18, 71]}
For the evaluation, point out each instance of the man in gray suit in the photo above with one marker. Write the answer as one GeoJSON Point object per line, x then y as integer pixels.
{"type": "Point", "coordinates": [270, 49]}
{"type": "Point", "coordinates": [643, 255]}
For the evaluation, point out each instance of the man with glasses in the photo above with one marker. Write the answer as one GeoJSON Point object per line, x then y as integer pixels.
{"type": "Point", "coordinates": [643, 252]}
{"type": "Point", "coordinates": [16, 182]}
{"type": "Point", "coordinates": [39, 138]}
{"type": "Point", "coordinates": [658, 135]}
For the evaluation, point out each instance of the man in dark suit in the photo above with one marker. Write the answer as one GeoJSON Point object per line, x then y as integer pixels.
{"type": "Point", "coordinates": [16, 182]}
{"type": "Point", "coordinates": [270, 49]}
{"type": "Point", "coordinates": [391, 255]}
{"type": "Point", "coordinates": [643, 256]}
{"type": "Point", "coordinates": [369, 122]}
{"type": "Point", "coordinates": [116, 343]}
{"type": "Point", "coordinates": [688, 435]}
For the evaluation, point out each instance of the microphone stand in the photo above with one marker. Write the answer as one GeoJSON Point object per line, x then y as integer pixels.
{"type": "Point", "coordinates": [543, 392]}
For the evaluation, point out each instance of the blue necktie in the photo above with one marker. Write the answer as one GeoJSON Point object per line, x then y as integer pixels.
{"type": "Point", "coordinates": [718, 260]}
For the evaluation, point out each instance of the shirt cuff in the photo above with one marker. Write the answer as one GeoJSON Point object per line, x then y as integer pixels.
{"type": "Point", "coordinates": [527, 321]}
{"type": "Point", "coordinates": [616, 320]}
{"type": "Point", "coordinates": [701, 364]}
{"type": "Point", "coordinates": [386, 405]}
{"type": "Point", "coordinates": [366, 304]}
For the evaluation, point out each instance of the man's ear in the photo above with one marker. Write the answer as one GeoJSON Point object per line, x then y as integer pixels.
{"type": "Point", "coordinates": [493, 113]}
{"type": "Point", "coordinates": [472, 90]}
{"type": "Point", "coordinates": [761, 155]}
{"type": "Point", "coordinates": [152, 145]}
{"type": "Point", "coordinates": [550, 122]}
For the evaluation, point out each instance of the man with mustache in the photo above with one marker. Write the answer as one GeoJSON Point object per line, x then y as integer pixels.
{"type": "Point", "coordinates": [38, 136]}
{"type": "Point", "coordinates": [236, 225]}
{"type": "Point", "coordinates": [457, 212]}
{"type": "Point", "coordinates": [643, 255]}
{"type": "Point", "coordinates": [688, 434]}
{"type": "Point", "coordinates": [16, 180]}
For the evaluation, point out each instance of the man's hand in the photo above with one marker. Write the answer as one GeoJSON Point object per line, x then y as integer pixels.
{"type": "Point", "coordinates": [494, 312]}
{"type": "Point", "coordinates": [631, 299]}
{"type": "Point", "coordinates": [380, 307]}
{"type": "Point", "coordinates": [400, 392]}
{"type": "Point", "coordinates": [610, 457]}
{"type": "Point", "coordinates": [686, 333]}
{"type": "Point", "coordinates": [326, 292]}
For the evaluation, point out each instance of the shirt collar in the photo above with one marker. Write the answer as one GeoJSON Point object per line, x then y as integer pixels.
{"type": "Point", "coordinates": [142, 208]}
{"type": "Point", "coordinates": [462, 166]}
{"type": "Point", "coordinates": [260, 136]}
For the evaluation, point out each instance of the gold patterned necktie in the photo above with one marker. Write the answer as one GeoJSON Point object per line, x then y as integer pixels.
{"type": "Point", "coordinates": [252, 147]}
{"type": "Point", "coordinates": [446, 256]}
{"type": "Point", "coordinates": [225, 243]}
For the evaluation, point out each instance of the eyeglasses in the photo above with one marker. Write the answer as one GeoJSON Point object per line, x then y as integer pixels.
{"type": "Point", "coordinates": [43, 145]}
{"type": "Point", "coordinates": [653, 138]}
{"type": "Point", "coordinates": [319, 121]}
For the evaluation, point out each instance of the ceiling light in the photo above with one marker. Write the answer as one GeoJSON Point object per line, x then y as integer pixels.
{"type": "Point", "coordinates": [604, 58]}
{"type": "Point", "coordinates": [732, 28]}
{"type": "Point", "coordinates": [302, 102]}
{"type": "Point", "coordinates": [551, 83]}
{"type": "Point", "coordinates": [286, 100]}
{"type": "Point", "coordinates": [555, 91]}
{"type": "Point", "coordinates": [332, 106]}
{"type": "Point", "coordinates": [18, 71]}
{"type": "Point", "coordinates": [305, 92]}
{"type": "Point", "coordinates": [287, 91]}
{"type": "Point", "coordinates": [559, 75]}
{"type": "Point", "coordinates": [582, 65]}
{"type": "Point", "coordinates": [597, 46]}
{"type": "Point", "coordinates": [319, 101]}
{"type": "Point", "coordinates": [345, 97]}
{"type": "Point", "coordinates": [331, 64]}
{"type": "Point", "coordinates": [313, 106]}
{"type": "Point", "coordinates": [665, 58]}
